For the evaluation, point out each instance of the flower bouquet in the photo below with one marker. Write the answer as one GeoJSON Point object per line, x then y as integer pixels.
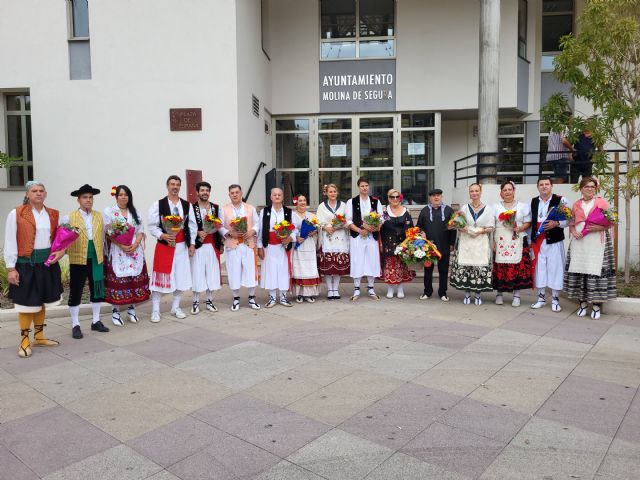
{"type": "Point", "coordinates": [65, 236]}
{"type": "Point", "coordinates": [457, 220]}
{"type": "Point", "coordinates": [338, 221]}
{"type": "Point", "coordinates": [211, 223]}
{"type": "Point", "coordinates": [602, 217]}
{"type": "Point", "coordinates": [283, 229]}
{"type": "Point", "coordinates": [508, 219]}
{"type": "Point", "coordinates": [415, 249]}
{"type": "Point", "coordinates": [120, 231]}
{"type": "Point", "coordinates": [372, 219]}
{"type": "Point", "coordinates": [559, 213]}
{"type": "Point", "coordinates": [172, 224]}
{"type": "Point", "coordinates": [307, 227]}
{"type": "Point", "coordinates": [239, 225]}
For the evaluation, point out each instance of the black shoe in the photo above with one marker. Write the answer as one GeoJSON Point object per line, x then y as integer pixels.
{"type": "Point", "coordinates": [98, 327]}
{"type": "Point", "coordinates": [76, 332]}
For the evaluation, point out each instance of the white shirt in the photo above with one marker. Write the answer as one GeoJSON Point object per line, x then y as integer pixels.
{"type": "Point", "coordinates": [42, 240]}
{"type": "Point", "coordinates": [543, 211]}
{"type": "Point", "coordinates": [88, 222]}
{"type": "Point", "coordinates": [365, 209]}
{"type": "Point", "coordinates": [523, 212]}
{"type": "Point", "coordinates": [276, 217]}
{"type": "Point", "coordinates": [238, 212]}
{"type": "Point", "coordinates": [155, 228]}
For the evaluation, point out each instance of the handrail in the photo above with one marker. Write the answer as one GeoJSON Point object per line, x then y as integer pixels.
{"type": "Point", "coordinates": [255, 176]}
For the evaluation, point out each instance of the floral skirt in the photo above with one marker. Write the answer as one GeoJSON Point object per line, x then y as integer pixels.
{"type": "Point", "coordinates": [333, 263]}
{"type": "Point", "coordinates": [475, 278]}
{"type": "Point", "coordinates": [508, 277]}
{"type": "Point", "coordinates": [396, 272]}
{"type": "Point", "coordinates": [125, 290]}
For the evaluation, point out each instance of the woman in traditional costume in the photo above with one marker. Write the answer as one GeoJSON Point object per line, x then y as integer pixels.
{"type": "Point", "coordinates": [334, 239]}
{"type": "Point", "coordinates": [397, 220]}
{"type": "Point", "coordinates": [304, 259]}
{"type": "Point", "coordinates": [126, 277]}
{"type": "Point", "coordinates": [512, 263]}
{"type": "Point", "coordinates": [590, 274]}
{"type": "Point", "coordinates": [472, 266]}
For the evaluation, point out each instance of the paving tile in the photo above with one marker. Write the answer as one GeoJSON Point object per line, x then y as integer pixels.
{"type": "Point", "coordinates": [622, 460]}
{"type": "Point", "coordinates": [143, 330]}
{"type": "Point", "coordinates": [118, 462]}
{"type": "Point", "coordinates": [341, 456]}
{"type": "Point", "coordinates": [532, 323]}
{"type": "Point", "coordinates": [65, 382]}
{"type": "Point", "coordinates": [404, 467]}
{"type": "Point", "coordinates": [588, 404]}
{"type": "Point", "coordinates": [367, 351]}
{"type": "Point", "coordinates": [205, 339]}
{"type": "Point", "coordinates": [622, 373]}
{"type": "Point", "coordinates": [175, 441]}
{"type": "Point", "coordinates": [166, 350]}
{"type": "Point", "coordinates": [448, 340]}
{"type": "Point", "coordinates": [453, 449]}
{"type": "Point", "coordinates": [416, 329]}
{"type": "Point", "coordinates": [163, 475]}
{"type": "Point", "coordinates": [410, 361]}
{"type": "Point", "coordinates": [244, 365]}
{"type": "Point", "coordinates": [546, 449]}
{"type": "Point", "coordinates": [13, 468]}
{"type": "Point", "coordinates": [6, 377]}
{"type": "Point", "coordinates": [400, 416]}
{"type": "Point", "coordinates": [503, 341]}
{"type": "Point", "coordinates": [18, 400]}
{"type": "Point", "coordinates": [581, 330]}
{"type": "Point", "coordinates": [227, 457]}
{"type": "Point", "coordinates": [498, 423]}
{"type": "Point", "coordinates": [42, 357]}
{"type": "Point", "coordinates": [124, 413]}
{"type": "Point", "coordinates": [252, 326]}
{"type": "Point", "coordinates": [313, 339]}
{"type": "Point", "coordinates": [274, 429]}
{"type": "Point", "coordinates": [119, 364]}
{"type": "Point", "coordinates": [68, 439]}
{"type": "Point", "coordinates": [71, 349]}
{"type": "Point", "coordinates": [287, 471]}
{"type": "Point", "coordinates": [630, 427]}
{"type": "Point", "coordinates": [344, 398]}
{"type": "Point", "coordinates": [183, 391]}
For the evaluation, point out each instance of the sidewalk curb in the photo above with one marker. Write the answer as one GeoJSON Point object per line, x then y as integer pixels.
{"type": "Point", "coordinates": [10, 314]}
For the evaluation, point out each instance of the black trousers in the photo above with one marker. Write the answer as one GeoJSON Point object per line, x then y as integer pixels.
{"type": "Point", "coordinates": [443, 272]}
{"type": "Point", "coordinates": [580, 168]}
{"type": "Point", "coordinates": [78, 277]}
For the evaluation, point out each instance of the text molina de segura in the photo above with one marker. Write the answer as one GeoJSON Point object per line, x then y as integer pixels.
{"type": "Point", "coordinates": [369, 80]}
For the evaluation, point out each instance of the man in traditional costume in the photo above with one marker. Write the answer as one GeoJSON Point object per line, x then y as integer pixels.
{"type": "Point", "coordinates": [240, 247]}
{"type": "Point", "coordinates": [274, 251]}
{"type": "Point", "coordinates": [433, 221]}
{"type": "Point", "coordinates": [205, 263]}
{"type": "Point", "coordinates": [86, 256]}
{"type": "Point", "coordinates": [548, 246]}
{"type": "Point", "coordinates": [29, 231]}
{"type": "Point", "coordinates": [364, 246]}
{"type": "Point", "coordinates": [171, 268]}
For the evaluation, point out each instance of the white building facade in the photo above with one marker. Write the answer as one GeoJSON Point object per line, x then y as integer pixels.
{"type": "Point", "coordinates": [322, 91]}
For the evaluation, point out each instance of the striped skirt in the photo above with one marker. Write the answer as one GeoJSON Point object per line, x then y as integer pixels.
{"type": "Point", "coordinates": [593, 288]}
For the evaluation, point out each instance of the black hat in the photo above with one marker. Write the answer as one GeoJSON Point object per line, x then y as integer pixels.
{"type": "Point", "coordinates": [86, 188]}
{"type": "Point", "coordinates": [435, 191]}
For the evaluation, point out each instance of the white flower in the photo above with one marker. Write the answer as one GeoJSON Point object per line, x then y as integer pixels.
{"type": "Point", "coordinates": [419, 254]}
{"type": "Point", "coordinates": [398, 250]}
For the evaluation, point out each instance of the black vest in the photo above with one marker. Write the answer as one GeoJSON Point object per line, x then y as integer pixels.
{"type": "Point", "coordinates": [217, 238]}
{"type": "Point", "coordinates": [357, 214]}
{"type": "Point", "coordinates": [164, 209]}
{"type": "Point", "coordinates": [266, 224]}
{"type": "Point", "coordinates": [555, 234]}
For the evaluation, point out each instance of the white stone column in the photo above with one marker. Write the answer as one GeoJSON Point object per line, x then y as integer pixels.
{"type": "Point", "coordinates": [489, 88]}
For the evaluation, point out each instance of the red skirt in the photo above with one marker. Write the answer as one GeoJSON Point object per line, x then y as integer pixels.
{"type": "Point", "coordinates": [125, 290]}
{"type": "Point", "coordinates": [508, 277]}
{"type": "Point", "coordinates": [396, 272]}
{"type": "Point", "coordinates": [336, 263]}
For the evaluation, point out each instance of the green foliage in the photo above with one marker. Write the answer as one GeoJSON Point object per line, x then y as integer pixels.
{"type": "Point", "coordinates": [4, 282]}
{"type": "Point", "coordinates": [6, 160]}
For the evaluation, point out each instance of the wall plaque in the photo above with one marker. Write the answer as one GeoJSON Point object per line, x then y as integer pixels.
{"type": "Point", "coordinates": [181, 119]}
{"type": "Point", "coordinates": [352, 86]}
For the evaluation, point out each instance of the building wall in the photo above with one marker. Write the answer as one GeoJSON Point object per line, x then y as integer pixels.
{"type": "Point", "coordinates": [147, 57]}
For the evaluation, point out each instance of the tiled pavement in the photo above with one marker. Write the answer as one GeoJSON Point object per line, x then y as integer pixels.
{"type": "Point", "coordinates": [395, 389]}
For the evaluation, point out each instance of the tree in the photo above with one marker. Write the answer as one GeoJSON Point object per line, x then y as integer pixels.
{"type": "Point", "coordinates": [601, 63]}
{"type": "Point", "coordinates": [6, 160]}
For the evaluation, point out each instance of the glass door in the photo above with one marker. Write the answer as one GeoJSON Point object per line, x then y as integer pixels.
{"type": "Point", "coordinates": [335, 155]}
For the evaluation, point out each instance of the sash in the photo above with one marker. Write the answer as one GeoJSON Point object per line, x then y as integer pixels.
{"type": "Point", "coordinates": [508, 249]}
{"type": "Point", "coordinates": [537, 244]}
{"type": "Point", "coordinates": [163, 262]}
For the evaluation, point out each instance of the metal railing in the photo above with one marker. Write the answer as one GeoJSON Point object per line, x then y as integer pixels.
{"type": "Point", "coordinates": [516, 166]}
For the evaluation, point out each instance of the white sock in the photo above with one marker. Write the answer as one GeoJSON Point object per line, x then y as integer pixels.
{"type": "Point", "coordinates": [236, 293]}
{"type": "Point", "coordinates": [356, 283]}
{"type": "Point", "coordinates": [273, 293]}
{"type": "Point", "coordinates": [116, 308]}
{"type": "Point", "coordinates": [210, 295]}
{"type": "Point", "coordinates": [336, 282]}
{"type": "Point", "coordinates": [390, 290]}
{"type": "Point", "coordinates": [400, 290]}
{"type": "Point", "coordinates": [155, 301]}
{"type": "Point", "coordinates": [252, 291]}
{"type": "Point", "coordinates": [196, 297]}
{"type": "Point", "coordinates": [75, 312]}
{"type": "Point", "coordinates": [283, 294]}
{"type": "Point", "coordinates": [370, 281]}
{"type": "Point", "coordinates": [329, 280]}
{"type": "Point", "coordinates": [516, 293]}
{"type": "Point", "coordinates": [131, 309]}
{"type": "Point", "coordinates": [95, 309]}
{"type": "Point", "coordinates": [555, 293]}
{"type": "Point", "coordinates": [541, 291]}
{"type": "Point", "coordinates": [175, 304]}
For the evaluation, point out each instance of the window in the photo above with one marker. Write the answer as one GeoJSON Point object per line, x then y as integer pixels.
{"type": "Point", "coordinates": [18, 125]}
{"type": "Point", "coordinates": [417, 162]}
{"type": "Point", "coordinates": [292, 157]}
{"type": "Point", "coordinates": [511, 144]}
{"type": "Point", "coordinates": [357, 29]}
{"type": "Point", "coordinates": [78, 39]}
{"type": "Point", "coordinates": [557, 21]}
{"type": "Point", "coordinates": [522, 28]}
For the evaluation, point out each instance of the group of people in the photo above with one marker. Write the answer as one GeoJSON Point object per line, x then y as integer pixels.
{"type": "Point", "coordinates": [487, 253]}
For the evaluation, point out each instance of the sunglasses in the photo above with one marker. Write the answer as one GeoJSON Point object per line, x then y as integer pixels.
{"type": "Point", "coordinates": [394, 196]}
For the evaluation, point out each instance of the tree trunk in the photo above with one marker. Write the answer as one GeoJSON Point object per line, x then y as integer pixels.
{"type": "Point", "coordinates": [627, 216]}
